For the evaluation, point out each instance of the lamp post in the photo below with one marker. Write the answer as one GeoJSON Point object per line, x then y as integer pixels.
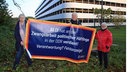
{"type": "Point", "coordinates": [101, 12]}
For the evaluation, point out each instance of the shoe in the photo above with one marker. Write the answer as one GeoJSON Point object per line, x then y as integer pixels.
{"type": "Point", "coordinates": [30, 65]}
{"type": "Point", "coordinates": [100, 64]}
{"type": "Point", "coordinates": [105, 67]}
{"type": "Point", "coordinates": [14, 68]}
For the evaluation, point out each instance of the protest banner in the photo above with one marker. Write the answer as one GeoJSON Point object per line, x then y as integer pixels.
{"type": "Point", "coordinates": [59, 41]}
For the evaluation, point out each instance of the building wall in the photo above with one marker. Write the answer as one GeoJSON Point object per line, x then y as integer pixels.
{"type": "Point", "coordinates": [61, 10]}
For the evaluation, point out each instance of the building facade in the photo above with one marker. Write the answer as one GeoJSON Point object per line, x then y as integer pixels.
{"type": "Point", "coordinates": [61, 10]}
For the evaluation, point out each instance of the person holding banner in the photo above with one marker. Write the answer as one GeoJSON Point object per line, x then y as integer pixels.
{"type": "Point", "coordinates": [19, 36]}
{"type": "Point", "coordinates": [74, 19]}
{"type": "Point", "coordinates": [104, 38]}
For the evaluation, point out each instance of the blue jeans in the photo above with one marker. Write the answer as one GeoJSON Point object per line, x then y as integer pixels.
{"type": "Point", "coordinates": [19, 55]}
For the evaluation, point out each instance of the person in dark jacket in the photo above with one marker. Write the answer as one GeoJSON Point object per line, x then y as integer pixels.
{"type": "Point", "coordinates": [104, 38]}
{"type": "Point", "coordinates": [19, 36]}
{"type": "Point", "coordinates": [74, 19]}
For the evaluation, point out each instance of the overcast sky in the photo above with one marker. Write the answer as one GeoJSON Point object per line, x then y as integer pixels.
{"type": "Point", "coordinates": [28, 7]}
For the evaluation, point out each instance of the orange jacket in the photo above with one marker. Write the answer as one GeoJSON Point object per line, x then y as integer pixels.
{"type": "Point", "coordinates": [104, 39]}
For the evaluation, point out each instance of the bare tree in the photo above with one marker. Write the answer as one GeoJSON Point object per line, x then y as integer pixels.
{"type": "Point", "coordinates": [18, 6]}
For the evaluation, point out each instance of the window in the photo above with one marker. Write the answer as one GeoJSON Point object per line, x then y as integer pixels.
{"type": "Point", "coordinates": [64, 1]}
{"type": "Point", "coordinates": [91, 1]}
{"type": "Point", "coordinates": [124, 13]}
{"type": "Point", "coordinates": [112, 4]}
{"type": "Point", "coordinates": [85, 10]}
{"type": "Point", "coordinates": [108, 3]}
{"type": "Point", "coordinates": [85, 20]}
{"type": "Point", "coordinates": [106, 20]}
{"type": "Point", "coordinates": [123, 5]}
{"type": "Point", "coordinates": [79, 1]}
{"type": "Point", "coordinates": [118, 4]}
{"type": "Point", "coordinates": [68, 10]}
{"type": "Point", "coordinates": [90, 11]}
{"type": "Point", "coordinates": [97, 2]}
{"type": "Point", "coordinates": [78, 10]}
{"type": "Point", "coordinates": [113, 12]}
{"type": "Point", "coordinates": [85, 1]}
{"type": "Point", "coordinates": [64, 10]}
{"type": "Point", "coordinates": [90, 20]}
{"type": "Point", "coordinates": [101, 3]}
{"type": "Point", "coordinates": [67, 20]}
{"type": "Point", "coordinates": [96, 20]}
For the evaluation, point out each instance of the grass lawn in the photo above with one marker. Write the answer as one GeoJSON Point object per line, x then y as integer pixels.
{"type": "Point", "coordinates": [117, 56]}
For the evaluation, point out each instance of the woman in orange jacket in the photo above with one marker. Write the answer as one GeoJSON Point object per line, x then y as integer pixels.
{"type": "Point", "coordinates": [104, 39]}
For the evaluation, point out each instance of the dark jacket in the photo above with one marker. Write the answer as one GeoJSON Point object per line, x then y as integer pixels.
{"type": "Point", "coordinates": [77, 22]}
{"type": "Point", "coordinates": [17, 36]}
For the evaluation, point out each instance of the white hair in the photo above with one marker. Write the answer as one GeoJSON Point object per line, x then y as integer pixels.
{"type": "Point", "coordinates": [74, 13]}
{"type": "Point", "coordinates": [21, 15]}
{"type": "Point", "coordinates": [104, 23]}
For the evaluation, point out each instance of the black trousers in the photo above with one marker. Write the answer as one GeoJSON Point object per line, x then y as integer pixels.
{"type": "Point", "coordinates": [103, 57]}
